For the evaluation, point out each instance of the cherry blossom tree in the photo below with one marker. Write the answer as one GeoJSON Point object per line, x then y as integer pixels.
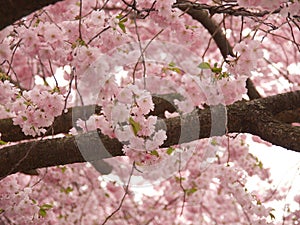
{"type": "Point", "coordinates": [102, 98]}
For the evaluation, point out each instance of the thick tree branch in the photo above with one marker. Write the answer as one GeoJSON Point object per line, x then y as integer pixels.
{"type": "Point", "coordinates": [232, 9]}
{"type": "Point", "coordinates": [13, 10]}
{"type": "Point", "coordinates": [251, 90]}
{"type": "Point", "coordinates": [213, 28]}
{"type": "Point", "coordinates": [57, 151]}
{"type": "Point", "coordinates": [289, 116]}
{"type": "Point", "coordinates": [63, 123]}
{"type": "Point", "coordinates": [255, 117]}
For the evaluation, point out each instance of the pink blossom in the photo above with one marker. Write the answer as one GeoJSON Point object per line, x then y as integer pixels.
{"type": "Point", "coordinates": [126, 95]}
{"type": "Point", "coordinates": [51, 33]}
{"type": "Point", "coordinates": [157, 140]}
{"type": "Point", "coordinates": [137, 143]}
{"type": "Point", "coordinates": [105, 126]}
{"type": "Point", "coordinates": [124, 133]}
{"type": "Point", "coordinates": [7, 92]}
{"type": "Point", "coordinates": [120, 113]}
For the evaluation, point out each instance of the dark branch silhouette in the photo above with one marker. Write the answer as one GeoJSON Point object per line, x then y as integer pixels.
{"type": "Point", "coordinates": [256, 117]}
{"type": "Point", "coordinates": [13, 10]}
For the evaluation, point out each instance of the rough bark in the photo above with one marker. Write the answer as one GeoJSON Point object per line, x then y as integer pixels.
{"type": "Point", "coordinates": [255, 117]}
{"type": "Point", "coordinates": [63, 123]}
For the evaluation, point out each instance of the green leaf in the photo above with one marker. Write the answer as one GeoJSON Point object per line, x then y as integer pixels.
{"type": "Point", "coordinates": [175, 69]}
{"type": "Point", "coordinates": [66, 190]}
{"type": "Point", "coordinates": [37, 22]}
{"type": "Point", "coordinates": [55, 89]}
{"type": "Point", "coordinates": [43, 209]}
{"type": "Point", "coordinates": [214, 142]}
{"type": "Point", "coordinates": [119, 16]}
{"type": "Point", "coordinates": [260, 164]}
{"type": "Point", "coordinates": [124, 20]}
{"type": "Point", "coordinates": [172, 64]}
{"type": "Point", "coordinates": [178, 179]}
{"type": "Point", "coordinates": [74, 45]}
{"type": "Point", "coordinates": [4, 77]}
{"type": "Point", "coordinates": [170, 150]}
{"type": "Point", "coordinates": [225, 74]}
{"type": "Point", "coordinates": [122, 26]}
{"type": "Point", "coordinates": [172, 67]}
{"type": "Point", "coordinates": [42, 212]}
{"type": "Point", "coordinates": [204, 66]}
{"type": "Point", "coordinates": [46, 206]}
{"type": "Point", "coordinates": [136, 127]}
{"type": "Point", "coordinates": [63, 169]}
{"type": "Point", "coordinates": [191, 26]}
{"type": "Point", "coordinates": [191, 191]}
{"type": "Point", "coordinates": [81, 42]}
{"type": "Point", "coordinates": [216, 70]}
{"type": "Point", "coordinates": [3, 142]}
{"type": "Point", "coordinates": [155, 153]}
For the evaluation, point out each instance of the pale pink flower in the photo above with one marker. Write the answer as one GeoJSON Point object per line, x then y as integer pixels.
{"type": "Point", "coordinates": [52, 33]}
{"type": "Point", "coordinates": [185, 106]}
{"type": "Point", "coordinates": [105, 126]}
{"type": "Point", "coordinates": [147, 125]}
{"type": "Point", "coordinates": [124, 133]}
{"type": "Point", "coordinates": [4, 52]}
{"type": "Point", "coordinates": [7, 92]}
{"type": "Point", "coordinates": [157, 140]}
{"type": "Point", "coordinates": [137, 143]}
{"type": "Point", "coordinates": [125, 95]}
{"type": "Point", "coordinates": [120, 113]}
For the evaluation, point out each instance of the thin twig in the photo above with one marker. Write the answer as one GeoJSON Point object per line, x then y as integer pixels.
{"type": "Point", "coordinates": [122, 200]}
{"type": "Point", "coordinates": [142, 57]}
{"type": "Point", "coordinates": [80, 14]}
{"type": "Point", "coordinates": [181, 186]}
{"type": "Point", "coordinates": [143, 51]}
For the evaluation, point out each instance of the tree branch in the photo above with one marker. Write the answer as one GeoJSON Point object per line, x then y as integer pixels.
{"type": "Point", "coordinates": [62, 124]}
{"type": "Point", "coordinates": [232, 9]}
{"type": "Point", "coordinates": [213, 28]}
{"type": "Point", "coordinates": [13, 10]}
{"type": "Point", "coordinates": [255, 117]}
{"type": "Point", "coordinates": [251, 90]}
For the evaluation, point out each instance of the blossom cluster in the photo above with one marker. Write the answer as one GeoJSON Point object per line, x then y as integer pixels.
{"type": "Point", "coordinates": [126, 118]}
{"type": "Point", "coordinates": [249, 53]}
{"type": "Point", "coordinates": [213, 91]}
{"type": "Point", "coordinates": [36, 109]}
{"type": "Point", "coordinates": [32, 110]}
{"type": "Point", "coordinates": [8, 93]}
